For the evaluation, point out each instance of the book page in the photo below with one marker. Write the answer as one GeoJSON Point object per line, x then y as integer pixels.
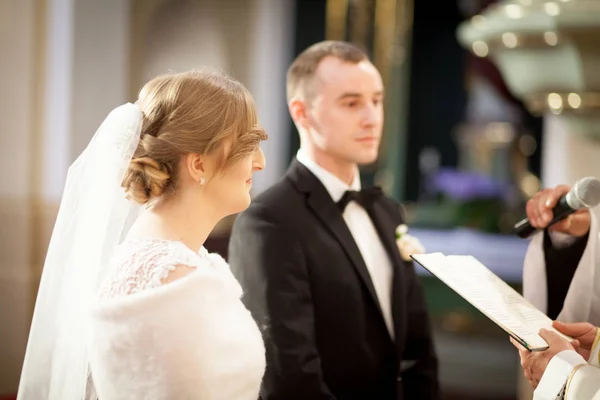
{"type": "Point", "coordinates": [490, 295]}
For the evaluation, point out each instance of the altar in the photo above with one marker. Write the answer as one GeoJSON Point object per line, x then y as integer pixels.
{"type": "Point", "coordinates": [502, 254]}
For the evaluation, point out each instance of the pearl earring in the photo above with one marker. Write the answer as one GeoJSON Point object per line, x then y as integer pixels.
{"type": "Point", "coordinates": [202, 181]}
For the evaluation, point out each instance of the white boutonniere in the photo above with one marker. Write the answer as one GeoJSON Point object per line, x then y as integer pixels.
{"type": "Point", "coordinates": [407, 244]}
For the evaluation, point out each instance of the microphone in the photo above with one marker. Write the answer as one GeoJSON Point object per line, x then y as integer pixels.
{"type": "Point", "coordinates": [584, 194]}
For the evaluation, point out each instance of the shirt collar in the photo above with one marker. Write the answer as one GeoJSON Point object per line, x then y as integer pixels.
{"type": "Point", "coordinates": [334, 185]}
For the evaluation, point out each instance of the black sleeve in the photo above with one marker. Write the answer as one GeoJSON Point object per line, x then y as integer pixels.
{"type": "Point", "coordinates": [268, 261]}
{"type": "Point", "coordinates": [421, 380]}
{"type": "Point", "coordinates": [561, 264]}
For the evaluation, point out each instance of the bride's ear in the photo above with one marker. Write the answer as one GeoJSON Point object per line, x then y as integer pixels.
{"type": "Point", "coordinates": [196, 166]}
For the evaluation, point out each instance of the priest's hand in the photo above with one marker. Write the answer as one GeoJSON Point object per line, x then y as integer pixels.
{"type": "Point", "coordinates": [539, 212]}
{"type": "Point", "coordinates": [534, 363]}
{"type": "Point", "coordinates": [583, 332]}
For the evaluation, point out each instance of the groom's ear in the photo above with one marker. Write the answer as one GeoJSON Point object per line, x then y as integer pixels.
{"type": "Point", "coordinates": [299, 112]}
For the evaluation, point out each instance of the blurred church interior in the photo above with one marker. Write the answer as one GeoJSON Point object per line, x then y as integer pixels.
{"type": "Point", "coordinates": [486, 102]}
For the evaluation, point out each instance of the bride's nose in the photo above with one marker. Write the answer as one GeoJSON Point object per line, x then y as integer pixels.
{"type": "Point", "coordinates": [258, 160]}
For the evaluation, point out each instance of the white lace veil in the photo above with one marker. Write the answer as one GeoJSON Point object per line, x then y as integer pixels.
{"type": "Point", "coordinates": [94, 217]}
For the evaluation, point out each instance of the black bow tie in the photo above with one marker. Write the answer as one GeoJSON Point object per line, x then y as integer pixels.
{"type": "Point", "coordinates": [366, 197]}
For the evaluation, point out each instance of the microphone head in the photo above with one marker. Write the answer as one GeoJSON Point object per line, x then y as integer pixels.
{"type": "Point", "coordinates": [584, 194]}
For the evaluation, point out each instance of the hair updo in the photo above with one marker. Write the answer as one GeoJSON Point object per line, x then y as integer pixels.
{"type": "Point", "coordinates": [190, 112]}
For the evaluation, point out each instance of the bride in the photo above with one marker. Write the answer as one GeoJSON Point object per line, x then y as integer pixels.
{"type": "Point", "coordinates": [131, 305]}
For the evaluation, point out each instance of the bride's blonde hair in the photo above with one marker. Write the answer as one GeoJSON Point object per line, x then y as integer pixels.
{"type": "Point", "coordinates": [190, 112]}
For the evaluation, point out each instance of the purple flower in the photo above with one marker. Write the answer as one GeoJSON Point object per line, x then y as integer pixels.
{"type": "Point", "coordinates": [465, 186]}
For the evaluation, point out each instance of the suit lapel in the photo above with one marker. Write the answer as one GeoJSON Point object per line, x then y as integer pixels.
{"type": "Point", "coordinates": [387, 234]}
{"type": "Point", "coordinates": [322, 205]}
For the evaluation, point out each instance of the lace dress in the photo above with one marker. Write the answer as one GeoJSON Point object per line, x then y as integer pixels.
{"type": "Point", "coordinates": [188, 339]}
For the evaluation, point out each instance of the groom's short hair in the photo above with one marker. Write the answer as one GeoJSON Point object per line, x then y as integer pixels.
{"type": "Point", "coordinates": [300, 75]}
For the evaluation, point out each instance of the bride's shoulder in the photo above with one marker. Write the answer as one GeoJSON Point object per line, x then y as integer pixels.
{"type": "Point", "coordinates": [144, 264]}
{"type": "Point", "coordinates": [151, 254]}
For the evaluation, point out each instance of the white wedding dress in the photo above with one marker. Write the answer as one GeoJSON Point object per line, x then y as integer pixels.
{"type": "Point", "coordinates": [188, 339]}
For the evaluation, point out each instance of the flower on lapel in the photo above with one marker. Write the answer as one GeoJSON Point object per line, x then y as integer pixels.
{"type": "Point", "coordinates": [407, 244]}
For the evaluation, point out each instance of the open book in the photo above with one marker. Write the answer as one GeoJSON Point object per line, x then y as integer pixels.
{"type": "Point", "coordinates": [490, 295]}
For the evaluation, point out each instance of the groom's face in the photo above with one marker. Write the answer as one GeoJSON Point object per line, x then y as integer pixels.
{"type": "Point", "coordinates": [345, 113]}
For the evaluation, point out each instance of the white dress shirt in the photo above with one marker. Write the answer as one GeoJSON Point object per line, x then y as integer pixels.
{"type": "Point", "coordinates": [365, 235]}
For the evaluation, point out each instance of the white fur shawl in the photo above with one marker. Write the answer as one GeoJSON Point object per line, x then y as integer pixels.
{"type": "Point", "coordinates": [190, 339]}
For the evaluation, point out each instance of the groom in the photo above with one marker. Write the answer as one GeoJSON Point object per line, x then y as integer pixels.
{"type": "Point", "coordinates": [343, 315]}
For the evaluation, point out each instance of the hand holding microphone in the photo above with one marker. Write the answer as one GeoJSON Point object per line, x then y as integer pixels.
{"type": "Point", "coordinates": [562, 209]}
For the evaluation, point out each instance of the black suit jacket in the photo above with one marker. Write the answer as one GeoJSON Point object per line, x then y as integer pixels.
{"type": "Point", "coordinates": [308, 288]}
